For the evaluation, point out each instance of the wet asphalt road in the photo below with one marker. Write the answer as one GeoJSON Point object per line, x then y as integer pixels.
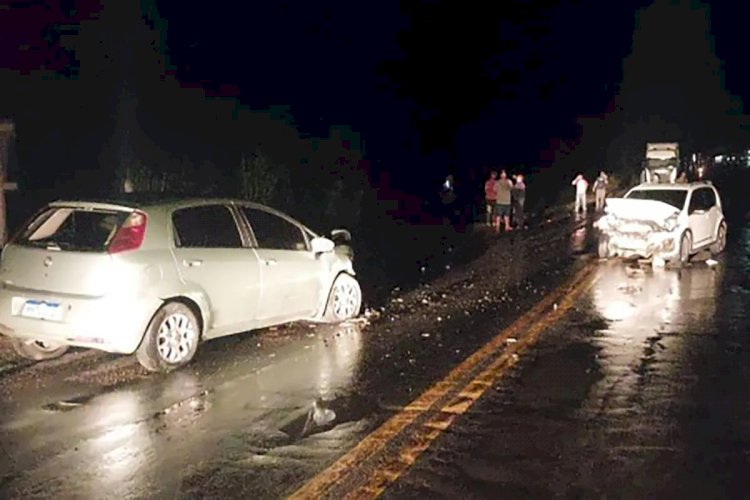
{"type": "Point", "coordinates": [641, 389]}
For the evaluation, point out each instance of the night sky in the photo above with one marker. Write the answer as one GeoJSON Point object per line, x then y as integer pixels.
{"type": "Point", "coordinates": [429, 85]}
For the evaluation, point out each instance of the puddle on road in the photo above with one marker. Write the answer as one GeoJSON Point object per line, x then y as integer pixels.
{"type": "Point", "coordinates": [324, 415]}
{"type": "Point", "coordinates": [69, 404]}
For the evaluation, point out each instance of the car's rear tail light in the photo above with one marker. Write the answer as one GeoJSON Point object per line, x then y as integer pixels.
{"type": "Point", "coordinates": [131, 233]}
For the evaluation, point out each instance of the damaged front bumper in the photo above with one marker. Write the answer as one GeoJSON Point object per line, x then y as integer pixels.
{"type": "Point", "coordinates": [660, 244]}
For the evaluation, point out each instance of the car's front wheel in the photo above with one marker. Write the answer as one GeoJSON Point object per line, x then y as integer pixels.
{"type": "Point", "coordinates": [603, 247]}
{"type": "Point", "coordinates": [171, 338]}
{"type": "Point", "coordinates": [344, 301]}
{"type": "Point", "coordinates": [721, 239]}
{"type": "Point", "coordinates": [38, 350]}
{"type": "Point", "coordinates": [686, 244]}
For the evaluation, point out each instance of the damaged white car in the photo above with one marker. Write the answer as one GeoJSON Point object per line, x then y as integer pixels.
{"type": "Point", "coordinates": [663, 221]}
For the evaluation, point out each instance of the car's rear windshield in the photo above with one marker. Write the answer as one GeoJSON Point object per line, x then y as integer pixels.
{"type": "Point", "coordinates": [72, 229]}
{"type": "Point", "coordinates": [674, 197]}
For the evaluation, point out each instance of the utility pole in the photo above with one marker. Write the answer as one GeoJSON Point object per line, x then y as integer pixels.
{"type": "Point", "coordinates": [7, 134]}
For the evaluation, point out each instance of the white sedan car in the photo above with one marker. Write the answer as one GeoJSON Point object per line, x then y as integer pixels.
{"type": "Point", "coordinates": [667, 221]}
{"type": "Point", "coordinates": [156, 279]}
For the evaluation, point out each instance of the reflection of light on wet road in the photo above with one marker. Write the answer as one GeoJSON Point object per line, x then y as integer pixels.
{"type": "Point", "coordinates": [578, 240]}
{"type": "Point", "coordinates": [340, 360]}
{"type": "Point", "coordinates": [114, 456]}
{"type": "Point", "coordinates": [129, 443]}
{"type": "Point", "coordinates": [649, 313]}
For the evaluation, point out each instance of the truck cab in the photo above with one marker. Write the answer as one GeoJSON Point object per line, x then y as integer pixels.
{"type": "Point", "coordinates": [661, 163]}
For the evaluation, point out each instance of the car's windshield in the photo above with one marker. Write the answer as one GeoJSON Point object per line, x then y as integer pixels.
{"type": "Point", "coordinates": [72, 229]}
{"type": "Point", "coordinates": [674, 197]}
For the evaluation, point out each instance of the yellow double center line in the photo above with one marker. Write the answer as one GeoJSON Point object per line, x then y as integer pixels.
{"type": "Point", "coordinates": [435, 409]}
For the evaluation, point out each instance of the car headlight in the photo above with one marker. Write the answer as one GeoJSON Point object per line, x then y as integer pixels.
{"type": "Point", "coordinates": [671, 223]}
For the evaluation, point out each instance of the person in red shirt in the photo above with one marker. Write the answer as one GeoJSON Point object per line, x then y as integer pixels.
{"type": "Point", "coordinates": [489, 195]}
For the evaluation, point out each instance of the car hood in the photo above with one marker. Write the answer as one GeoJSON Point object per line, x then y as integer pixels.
{"type": "Point", "coordinates": [642, 210]}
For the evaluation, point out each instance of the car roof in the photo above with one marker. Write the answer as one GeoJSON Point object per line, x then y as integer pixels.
{"type": "Point", "coordinates": [675, 186]}
{"type": "Point", "coordinates": [147, 201]}
{"type": "Point", "coordinates": [150, 202]}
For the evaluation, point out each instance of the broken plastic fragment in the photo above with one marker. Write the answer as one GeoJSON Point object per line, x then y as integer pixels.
{"type": "Point", "coordinates": [711, 262]}
{"type": "Point", "coordinates": [425, 334]}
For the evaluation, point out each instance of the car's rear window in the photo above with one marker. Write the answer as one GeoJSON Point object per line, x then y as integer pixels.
{"type": "Point", "coordinates": [72, 229]}
{"type": "Point", "coordinates": [674, 197]}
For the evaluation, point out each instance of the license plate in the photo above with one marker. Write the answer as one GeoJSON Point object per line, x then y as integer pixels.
{"type": "Point", "coordinates": [40, 309]}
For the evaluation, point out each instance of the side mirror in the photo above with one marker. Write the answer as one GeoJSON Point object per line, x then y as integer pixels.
{"type": "Point", "coordinates": [341, 235]}
{"type": "Point", "coordinates": [321, 245]}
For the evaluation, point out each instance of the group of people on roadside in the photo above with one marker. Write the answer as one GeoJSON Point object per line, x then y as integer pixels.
{"type": "Point", "coordinates": [505, 199]}
{"type": "Point", "coordinates": [600, 191]}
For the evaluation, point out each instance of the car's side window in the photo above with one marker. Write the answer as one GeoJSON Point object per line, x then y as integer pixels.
{"type": "Point", "coordinates": [696, 202]}
{"type": "Point", "coordinates": [710, 198]}
{"type": "Point", "coordinates": [211, 226]}
{"type": "Point", "coordinates": [273, 232]}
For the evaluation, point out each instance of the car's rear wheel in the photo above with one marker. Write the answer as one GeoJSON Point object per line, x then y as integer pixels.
{"type": "Point", "coordinates": [171, 338]}
{"type": "Point", "coordinates": [345, 299]}
{"type": "Point", "coordinates": [686, 244]}
{"type": "Point", "coordinates": [721, 239]}
{"type": "Point", "coordinates": [38, 350]}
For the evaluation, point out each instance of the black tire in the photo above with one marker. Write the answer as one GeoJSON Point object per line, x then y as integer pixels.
{"type": "Point", "coordinates": [603, 247]}
{"type": "Point", "coordinates": [686, 243]}
{"type": "Point", "coordinates": [171, 338]}
{"type": "Point", "coordinates": [344, 299]}
{"type": "Point", "coordinates": [721, 239]}
{"type": "Point", "coordinates": [38, 350]}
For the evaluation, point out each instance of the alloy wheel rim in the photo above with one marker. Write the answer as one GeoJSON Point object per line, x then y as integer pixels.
{"type": "Point", "coordinates": [345, 300]}
{"type": "Point", "coordinates": [176, 338]}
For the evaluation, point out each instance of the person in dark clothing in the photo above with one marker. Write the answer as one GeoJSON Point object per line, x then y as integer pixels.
{"type": "Point", "coordinates": [449, 199]}
{"type": "Point", "coordinates": [519, 200]}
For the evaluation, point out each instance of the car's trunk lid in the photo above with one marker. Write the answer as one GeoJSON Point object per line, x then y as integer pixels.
{"type": "Point", "coordinates": [57, 272]}
{"type": "Point", "coordinates": [64, 251]}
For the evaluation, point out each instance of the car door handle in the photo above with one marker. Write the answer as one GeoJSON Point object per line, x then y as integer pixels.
{"type": "Point", "coordinates": [192, 263]}
{"type": "Point", "coordinates": [270, 262]}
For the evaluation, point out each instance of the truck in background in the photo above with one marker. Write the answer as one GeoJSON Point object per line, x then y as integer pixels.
{"type": "Point", "coordinates": [661, 163]}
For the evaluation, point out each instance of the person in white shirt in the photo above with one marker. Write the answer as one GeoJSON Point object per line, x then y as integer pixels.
{"type": "Point", "coordinates": [581, 185]}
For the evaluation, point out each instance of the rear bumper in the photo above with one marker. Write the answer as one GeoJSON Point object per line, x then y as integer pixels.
{"type": "Point", "coordinates": [111, 324]}
{"type": "Point", "coordinates": [655, 244]}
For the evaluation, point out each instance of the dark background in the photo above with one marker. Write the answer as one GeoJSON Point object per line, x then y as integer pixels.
{"type": "Point", "coordinates": [351, 113]}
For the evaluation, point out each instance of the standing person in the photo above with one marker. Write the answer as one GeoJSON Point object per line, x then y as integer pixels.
{"type": "Point", "coordinates": [503, 188]}
{"type": "Point", "coordinates": [600, 190]}
{"type": "Point", "coordinates": [581, 185]}
{"type": "Point", "coordinates": [448, 198]}
{"type": "Point", "coordinates": [489, 196]}
{"type": "Point", "coordinates": [519, 200]}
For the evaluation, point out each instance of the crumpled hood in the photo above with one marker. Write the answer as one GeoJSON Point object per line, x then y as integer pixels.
{"type": "Point", "coordinates": [641, 210]}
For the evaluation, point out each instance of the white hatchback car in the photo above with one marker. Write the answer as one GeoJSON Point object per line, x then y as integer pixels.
{"type": "Point", "coordinates": [158, 278]}
{"type": "Point", "coordinates": [668, 221]}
